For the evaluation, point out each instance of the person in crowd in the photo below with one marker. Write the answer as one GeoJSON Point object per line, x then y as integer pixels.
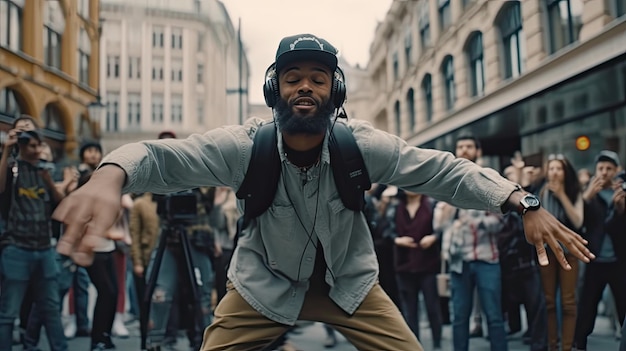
{"type": "Point", "coordinates": [521, 280]}
{"type": "Point", "coordinates": [77, 325]}
{"type": "Point", "coordinates": [307, 257]}
{"type": "Point", "coordinates": [561, 196]}
{"type": "Point", "coordinates": [605, 199]}
{"type": "Point", "coordinates": [473, 258]}
{"type": "Point", "coordinates": [28, 194]}
{"type": "Point", "coordinates": [122, 249]}
{"type": "Point", "coordinates": [584, 176]}
{"type": "Point", "coordinates": [65, 265]}
{"type": "Point", "coordinates": [417, 261]}
{"type": "Point", "coordinates": [144, 231]}
{"type": "Point", "coordinates": [223, 219]}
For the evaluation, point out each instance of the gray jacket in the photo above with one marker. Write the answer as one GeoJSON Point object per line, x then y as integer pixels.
{"type": "Point", "coordinates": [275, 255]}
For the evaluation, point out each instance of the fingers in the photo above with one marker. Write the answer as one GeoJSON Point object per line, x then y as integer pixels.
{"type": "Point", "coordinates": [558, 252]}
{"type": "Point", "coordinates": [542, 255]}
{"type": "Point", "coordinates": [576, 245]}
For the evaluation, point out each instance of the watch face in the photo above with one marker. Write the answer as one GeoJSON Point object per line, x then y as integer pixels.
{"type": "Point", "coordinates": [531, 202]}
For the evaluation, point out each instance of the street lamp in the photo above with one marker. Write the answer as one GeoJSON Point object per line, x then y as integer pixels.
{"type": "Point", "coordinates": [95, 109]}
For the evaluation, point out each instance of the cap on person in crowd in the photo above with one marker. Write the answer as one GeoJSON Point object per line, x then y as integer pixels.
{"type": "Point", "coordinates": [608, 156]}
{"type": "Point", "coordinates": [305, 47]}
{"type": "Point", "coordinates": [88, 145]}
{"type": "Point", "coordinates": [167, 134]}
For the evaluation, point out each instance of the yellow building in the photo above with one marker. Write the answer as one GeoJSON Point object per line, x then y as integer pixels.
{"type": "Point", "coordinates": [49, 68]}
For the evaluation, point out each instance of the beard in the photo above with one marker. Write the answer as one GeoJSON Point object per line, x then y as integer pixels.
{"type": "Point", "coordinates": [289, 123]}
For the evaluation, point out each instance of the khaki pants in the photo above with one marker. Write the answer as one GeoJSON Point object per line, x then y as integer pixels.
{"type": "Point", "coordinates": [376, 325]}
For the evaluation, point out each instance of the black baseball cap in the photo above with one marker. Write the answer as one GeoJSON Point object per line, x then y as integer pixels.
{"type": "Point", "coordinates": [303, 47]}
{"type": "Point", "coordinates": [608, 156]}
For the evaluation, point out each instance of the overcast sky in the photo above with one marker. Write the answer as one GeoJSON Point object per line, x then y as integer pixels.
{"type": "Point", "coordinates": [347, 24]}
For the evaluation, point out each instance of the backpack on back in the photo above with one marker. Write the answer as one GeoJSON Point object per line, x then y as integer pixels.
{"type": "Point", "coordinates": [261, 180]}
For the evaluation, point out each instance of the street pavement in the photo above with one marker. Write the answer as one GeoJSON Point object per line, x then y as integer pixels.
{"type": "Point", "coordinates": [311, 338]}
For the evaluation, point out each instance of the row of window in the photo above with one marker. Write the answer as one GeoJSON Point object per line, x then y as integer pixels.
{"type": "Point", "coordinates": [158, 37]}
{"type": "Point", "coordinates": [10, 107]}
{"type": "Point", "coordinates": [11, 22]}
{"type": "Point", "coordinates": [112, 122]}
{"type": "Point", "coordinates": [134, 69]}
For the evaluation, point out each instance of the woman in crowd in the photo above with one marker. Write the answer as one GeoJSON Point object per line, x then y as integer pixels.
{"type": "Point", "coordinates": [561, 195]}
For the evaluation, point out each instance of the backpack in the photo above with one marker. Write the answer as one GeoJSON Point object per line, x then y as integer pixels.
{"type": "Point", "coordinates": [261, 180]}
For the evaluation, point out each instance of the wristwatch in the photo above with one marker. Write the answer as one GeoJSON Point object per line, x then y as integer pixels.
{"type": "Point", "coordinates": [529, 202]}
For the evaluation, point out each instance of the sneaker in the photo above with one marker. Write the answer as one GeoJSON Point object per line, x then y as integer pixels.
{"type": "Point", "coordinates": [70, 328]}
{"type": "Point", "coordinates": [101, 346]}
{"type": "Point", "coordinates": [119, 329]}
{"type": "Point", "coordinates": [330, 342]}
{"type": "Point", "coordinates": [477, 332]}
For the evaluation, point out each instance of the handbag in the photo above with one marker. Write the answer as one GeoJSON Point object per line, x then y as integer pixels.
{"type": "Point", "coordinates": [443, 281]}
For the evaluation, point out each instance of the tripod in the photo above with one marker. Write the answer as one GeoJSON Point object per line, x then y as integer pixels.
{"type": "Point", "coordinates": [192, 278]}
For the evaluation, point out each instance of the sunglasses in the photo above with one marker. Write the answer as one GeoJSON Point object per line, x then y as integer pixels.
{"type": "Point", "coordinates": [553, 157]}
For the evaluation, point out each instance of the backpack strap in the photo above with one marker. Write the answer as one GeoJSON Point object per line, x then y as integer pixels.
{"type": "Point", "coordinates": [261, 180]}
{"type": "Point", "coordinates": [346, 160]}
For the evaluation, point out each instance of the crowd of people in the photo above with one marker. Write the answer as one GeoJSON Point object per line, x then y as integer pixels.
{"type": "Point", "coordinates": [36, 280]}
{"type": "Point", "coordinates": [492, 270]}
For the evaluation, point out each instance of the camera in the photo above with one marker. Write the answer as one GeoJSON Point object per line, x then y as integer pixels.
{"type": "Point", "coordinates": [177, 207]}
{"type": "Point", "coordinates": [23, 137]}
{"type": "Point", "coordinates": [45, 165]}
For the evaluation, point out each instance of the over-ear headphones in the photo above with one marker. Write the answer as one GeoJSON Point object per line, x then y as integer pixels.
{"type": "Point", "coordinates": [272, 95]}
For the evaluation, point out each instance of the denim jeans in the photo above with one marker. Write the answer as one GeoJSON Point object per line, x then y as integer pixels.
{"type": "Point", "coordinates": [19, 266]}
{"type": "Point", "coordinates": [81, 297]}
{"type": "Point", "coordinates": [36, 318]}
{"type": "Point", "coordinates": [487, 280]}
{"type": "Point", "coordinates": [168, 284]}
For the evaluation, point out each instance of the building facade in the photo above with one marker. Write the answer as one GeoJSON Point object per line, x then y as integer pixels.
{"type": "Point", "coordinates": [532, 75]}
{"type": "Point", "coordinates": [49, 59]}
{"type": "Point", "coordinates": [169, 65]}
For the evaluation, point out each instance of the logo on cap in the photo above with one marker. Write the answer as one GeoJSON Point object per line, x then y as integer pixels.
{"type": "Point", "coordinates": [292, 46]}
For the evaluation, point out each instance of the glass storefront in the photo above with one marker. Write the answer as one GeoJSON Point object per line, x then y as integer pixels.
{"type": "Point", "coordinates": [592, 104]}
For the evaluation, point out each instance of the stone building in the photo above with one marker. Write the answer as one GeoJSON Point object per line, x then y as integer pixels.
{"type": "Point", "coordinates": [532, 75]}
{"type": "Point", "coordinates": [170, 65]}
{"type": "Point", "coordinates": [49, 59]}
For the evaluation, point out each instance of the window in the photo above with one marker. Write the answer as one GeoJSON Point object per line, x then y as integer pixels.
{"type": "Point", "coordinates": [476, 63]}
{"type": "Point", "coordinates": [11, 24]}
{"type": "Point", "coordinates": [408, 45]}
{"type": "Point", "coordinates": [113, 110]}
{"type": "Point", "coordinates": [83, 8]}
{"type": "Point", "coordinates": [113, 66]}
{"type": "Point", "coordinates": [134, 67]}
{"type": "Point", "coordinates": [157, 68]}
{"type": "Point", "coordinates": [444, 14]}
{"type": "Point", "coordinates": [424, 23]}
{"type": "Point", "coordinates": [84, 54]}
{"type": "Point", "coordinates": [200, 73]}
{"type": "Point", "coordinates": [200, 112]}
{"type": "Point", "coordinates": [134, 109]}
{"type": "Point", "coordinates": [200, 42]}
{"type": "Point", "coordinates": [157, 108]}
{"type": "Point", "coordinates": [177, 70]}
{"type": "Point", "coordinates": [447, 70]}
{"type": "Point", "coordinates": [177, 108]}
{"type": "Point", "coordinates": [427, 91]}
{"type": "Point", "coordinates": [564, 20]}
{"type": "Point", "coordinates": [410, 103]}
{"type": "Point", "coordinates": [157, 37]}
{"type": "Point", "coordinates": [619, 8]}
{"type": "Point", "coordinates": [52, 118]}
{"type": "Point", "coordinates": [177, 38]}
{"type": "Point", "coordinates": [396, 67]}
{"type": "Point", "coordinates": [509, 22]}
{"type": "Point", "coordinates": [8, 103]}
{"type": "Point", "coordinates": [398, 116]}
{"type": "Point", "coordinates": [54, 25]}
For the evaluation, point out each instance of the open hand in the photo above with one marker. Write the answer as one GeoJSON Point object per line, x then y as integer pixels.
{"type": "Point", "coordinates": [542, 228]}
{"type": "Point", "coordinates": [89, 212]}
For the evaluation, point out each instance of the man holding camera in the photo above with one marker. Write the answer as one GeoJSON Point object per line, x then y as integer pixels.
{"type": "Point", "coordinates": [27, 252]}
{"type": "Point", "coordinates": [605, 220]}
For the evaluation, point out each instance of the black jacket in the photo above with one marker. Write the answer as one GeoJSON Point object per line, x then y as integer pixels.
{"type": "Point", "coordinates": [601, 219]}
